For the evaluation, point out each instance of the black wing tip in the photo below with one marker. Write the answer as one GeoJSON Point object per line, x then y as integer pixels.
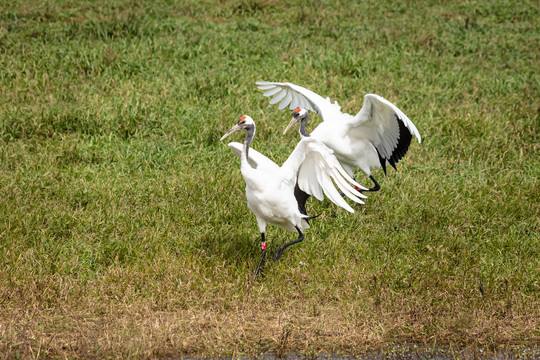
{"type": "Point", "coordinates": [404, 141]}
{"type": "Point", "coordinates": [301, 197]}
{"type": "Point", "coordinates": [382, 161]}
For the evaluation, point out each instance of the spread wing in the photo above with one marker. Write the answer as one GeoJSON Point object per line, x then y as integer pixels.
{"type": "Point", "coordinates": [255, 158]}
{"type": "Point", "coordinates": [317, 171]}
{"type": "Point", "coordinates": [386, 126]}
{"type": "Point", "coordinates": [299, 97]}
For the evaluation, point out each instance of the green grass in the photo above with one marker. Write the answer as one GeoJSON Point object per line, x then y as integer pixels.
{"type": "Point", "coordinates": [124, 230]}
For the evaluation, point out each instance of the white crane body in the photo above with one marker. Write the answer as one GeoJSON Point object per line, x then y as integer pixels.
{"type": "Point", "coordinates": [379, 134]}
{"type": "Point", "coordinates": [270, 189]}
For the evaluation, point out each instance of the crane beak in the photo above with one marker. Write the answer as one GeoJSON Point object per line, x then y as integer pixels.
{"type": "Point", "coordinates": [293, 121]}
{"type": "Point", "coordinates": [235, 128]}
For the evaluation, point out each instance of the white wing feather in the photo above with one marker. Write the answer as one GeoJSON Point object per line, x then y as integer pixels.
{"type": "Point", "coordinates": [255, 158]}
{"type": "Point", "coordinates": [376, 120]}
{"type": "Point", "coordinates": [297, 96]}
{"type": "Point", "coordinates": [313, 165]}
{"type": "Point", "coordinates": [286, 101]}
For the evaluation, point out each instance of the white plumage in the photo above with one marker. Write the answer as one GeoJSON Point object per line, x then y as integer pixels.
{"type": "Point", "coordinates": [270, 189]}
{"type": "Point", "coordinates": [379, 134]}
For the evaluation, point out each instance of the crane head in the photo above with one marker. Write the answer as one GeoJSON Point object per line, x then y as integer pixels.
{"type": "Point", "coordinates": [298, 114]}
{"type": "Point", "coordinates": [244, 123]}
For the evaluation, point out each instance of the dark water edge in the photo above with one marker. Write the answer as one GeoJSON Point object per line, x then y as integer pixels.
{"type": "Point", "coordinates": [407, 352]}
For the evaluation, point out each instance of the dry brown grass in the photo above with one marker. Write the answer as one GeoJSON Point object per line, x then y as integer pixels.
{"type": "Point", "coordinates": [117, 323]}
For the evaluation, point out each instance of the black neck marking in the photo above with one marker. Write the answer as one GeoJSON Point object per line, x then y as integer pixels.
{"type": "Point", "coordinates": [303, 124]}
{"type": "Point", "coordinates": [250, 133]}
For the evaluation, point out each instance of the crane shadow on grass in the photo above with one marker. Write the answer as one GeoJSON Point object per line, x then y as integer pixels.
{"type": "Point", "coordinates": [239, 249]}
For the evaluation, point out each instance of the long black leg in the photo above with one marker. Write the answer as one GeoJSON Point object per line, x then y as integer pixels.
{"type": "Point", "coordinates": [263, 253]}
{"type": "Point", "coordinates": [377, 187]}
{"type": "Point", "coordinates": [282, 247]}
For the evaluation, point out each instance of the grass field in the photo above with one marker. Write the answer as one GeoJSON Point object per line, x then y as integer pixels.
{"type": "Point", "coordinates": [124, 231]}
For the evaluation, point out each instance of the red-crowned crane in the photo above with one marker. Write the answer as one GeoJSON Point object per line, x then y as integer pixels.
{"type": "Point", "coordinates": [270, 189]}
{"type": "Point", "coordinates": [378, 134]}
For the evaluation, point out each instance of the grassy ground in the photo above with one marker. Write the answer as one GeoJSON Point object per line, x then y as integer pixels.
{"type": "Point", "coordinates": [123, 225]}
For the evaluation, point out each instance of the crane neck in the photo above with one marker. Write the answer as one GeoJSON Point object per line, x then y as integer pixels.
{"type": "Point", "coordinates": [302, 127]}
{"type": "Point", "coordinates": [250, 133]}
